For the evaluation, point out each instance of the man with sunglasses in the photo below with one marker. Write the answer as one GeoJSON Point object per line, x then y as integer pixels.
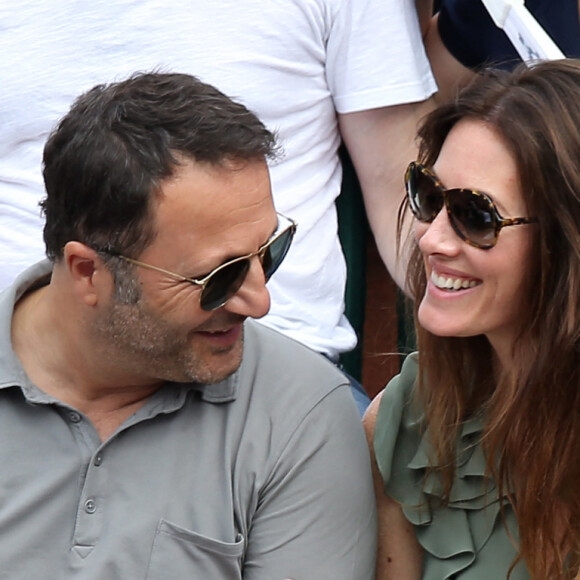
{"type": "Point", "coordinates": [149, 430]}
{"type": "Point", "coordinates": [316, 71]}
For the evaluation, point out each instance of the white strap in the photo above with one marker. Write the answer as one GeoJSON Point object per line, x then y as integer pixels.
{"type": "Point", "coordinates": [525, 33]}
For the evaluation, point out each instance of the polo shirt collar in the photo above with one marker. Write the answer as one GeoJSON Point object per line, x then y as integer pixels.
{"type": "Point", "coordinates": [11, 371]}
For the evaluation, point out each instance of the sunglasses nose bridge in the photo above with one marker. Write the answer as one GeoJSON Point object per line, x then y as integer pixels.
{"type": "Point", "coordinates": [441, 203]}
{"type": "Point", "coordinates": [261, 254]}
{"type": "Point", "coordinates": [253, 273]}
{"type": "Point", "coordinates": [251, 298]}
{"type": "Point", "coordinates": [440, 235]}
{"type": "Point", "coordinates": [447, 205]}
{"type": "Point", "coordinates": [453, 219]}
{"type": "Point", "coordinates": [256, 265]}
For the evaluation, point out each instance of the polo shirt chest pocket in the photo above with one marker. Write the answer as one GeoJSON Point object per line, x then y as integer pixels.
{"type": "Point", "coordinates": [180, 553]}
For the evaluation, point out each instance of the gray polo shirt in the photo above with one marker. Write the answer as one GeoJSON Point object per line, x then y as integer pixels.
{"type": "Point", "coordinates": [264, 476]}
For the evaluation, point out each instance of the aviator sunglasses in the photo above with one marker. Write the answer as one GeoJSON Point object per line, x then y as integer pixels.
{"type": "Point", "coordinates": [472, 214]}
{"type": "Point", "coordinates": [225, 280]}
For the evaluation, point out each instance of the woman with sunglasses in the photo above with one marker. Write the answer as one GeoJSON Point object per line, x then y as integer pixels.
{"type": "Point", "coordinates": [477, 442]}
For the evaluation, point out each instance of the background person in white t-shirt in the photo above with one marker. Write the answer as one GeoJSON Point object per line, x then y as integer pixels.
{"type": "Point", "coordinates": [313, 71]}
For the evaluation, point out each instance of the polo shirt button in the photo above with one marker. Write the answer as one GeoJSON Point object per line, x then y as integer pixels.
{"type": "Point", "coordinates": [90, 506]}
{"type": "Point", "coordinates": [98, 460]}
{"type": "Point", "coordinates": [74, 417]}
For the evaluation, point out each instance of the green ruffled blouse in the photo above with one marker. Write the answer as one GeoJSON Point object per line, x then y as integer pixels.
{"type": "Point", "coordinates": [466, 540]}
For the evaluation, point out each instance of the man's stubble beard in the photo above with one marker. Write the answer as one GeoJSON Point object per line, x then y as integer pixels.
{"type": "Point", "coordinates": [134, 336]}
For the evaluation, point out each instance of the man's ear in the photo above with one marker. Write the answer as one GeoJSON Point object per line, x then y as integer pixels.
{"type": "Point", "coordinates": [87, 272]}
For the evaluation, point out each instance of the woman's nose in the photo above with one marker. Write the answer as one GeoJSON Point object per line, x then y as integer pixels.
{"type": "Point", "coordinates": [438, 236]}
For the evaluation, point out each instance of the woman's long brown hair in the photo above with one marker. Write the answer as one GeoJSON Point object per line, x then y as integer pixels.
{"type": "Point", "coordinates": [531, 411]}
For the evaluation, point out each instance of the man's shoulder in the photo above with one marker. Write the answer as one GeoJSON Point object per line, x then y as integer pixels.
{"type": "Point", "coordinates": [34, 276]}
{"type": "Point", "coordinates": [269, 351]}
{"type": "Point", "coordinates": [278, 370]}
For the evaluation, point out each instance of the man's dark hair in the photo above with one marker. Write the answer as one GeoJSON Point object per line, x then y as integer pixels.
{"type": "Point", "coordinates": [106, 159]}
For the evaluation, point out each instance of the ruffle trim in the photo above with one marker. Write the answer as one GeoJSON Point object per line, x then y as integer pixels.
{"type": "Point", "coordinates": [454, 537]}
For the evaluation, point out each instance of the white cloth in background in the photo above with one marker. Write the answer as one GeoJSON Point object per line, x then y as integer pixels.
{"type": "Point", "coordinates": [293, 62]}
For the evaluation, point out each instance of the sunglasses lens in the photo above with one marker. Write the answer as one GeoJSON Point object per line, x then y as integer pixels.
{"type": "Point", "coordinates": [226, 281]}
{"type": "Point", "coordinates": [425, 197]}
{"type": "Point", "coordinates": [472, 214]}
{"type": "Point", "coordinates": [473, 217]}
{"type": "Point", "coordinates": [224, 284]}
{"type": "Point", "coordinates": [276, 252]}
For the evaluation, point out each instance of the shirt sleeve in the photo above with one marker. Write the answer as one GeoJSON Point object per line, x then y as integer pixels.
{"type": "Point", "coordinates": [316, 516]}
{"type": "Point", "coordinates": [375, 55]}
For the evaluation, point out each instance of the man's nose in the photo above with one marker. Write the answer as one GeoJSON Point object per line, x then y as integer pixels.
{"type": "Point", "coordinates": [252, 299]}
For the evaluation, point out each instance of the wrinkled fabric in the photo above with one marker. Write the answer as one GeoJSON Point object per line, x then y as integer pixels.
{"type": "Point", "coordinates": [295, 63]}
{"type": "Point", "coordinates": [263, 476]}
{"type": "Point", "coordinates": [467, 539]}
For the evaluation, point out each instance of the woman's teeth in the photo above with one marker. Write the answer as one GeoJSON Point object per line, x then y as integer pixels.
{"type": "Point", "coordinates": [452, 283]}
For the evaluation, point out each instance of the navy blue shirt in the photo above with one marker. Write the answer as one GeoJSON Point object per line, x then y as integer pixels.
{"type": "Point", "coordinates": [471, 36]}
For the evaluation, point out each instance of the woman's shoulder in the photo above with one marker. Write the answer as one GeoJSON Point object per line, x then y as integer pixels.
{"type": "Point", "coordinates": [466, 536]}
{"type": "Point", "coordinates": [396, 419]}
{"type": "Point", "coordinates": [400, 388]}
{"type": "Point", "coordinates": [393, 395]}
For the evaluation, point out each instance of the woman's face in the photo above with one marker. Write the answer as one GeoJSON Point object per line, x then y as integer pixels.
{"type": "Point", "coordinates": [487, 286]}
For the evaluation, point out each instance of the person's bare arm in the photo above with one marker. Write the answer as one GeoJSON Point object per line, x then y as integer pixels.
{"type": "Point", "coordinates": [399, 556]}
{"type": "Point", "coordinates": [424, 12]}
{"type": "Point", "coordinates": [449, 73]}
{"type": "Point", "coordinates": [381, 143]}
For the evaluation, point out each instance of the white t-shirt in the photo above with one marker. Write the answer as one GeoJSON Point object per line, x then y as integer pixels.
{"type": "Point", "coordinates": [293, 62]}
